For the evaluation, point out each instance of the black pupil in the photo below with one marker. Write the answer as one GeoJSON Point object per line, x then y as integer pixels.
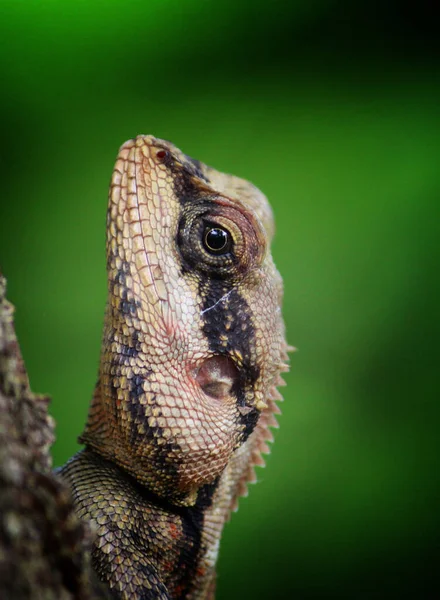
{"type": "Point", "coordinates": [216, 239]}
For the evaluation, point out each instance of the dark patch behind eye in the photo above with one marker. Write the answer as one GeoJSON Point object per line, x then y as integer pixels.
{"type": "Point", "coordinates": [231, 320]}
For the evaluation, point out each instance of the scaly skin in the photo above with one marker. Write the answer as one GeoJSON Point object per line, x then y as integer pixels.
{"type": "Point", "coordinates": [192, 350]}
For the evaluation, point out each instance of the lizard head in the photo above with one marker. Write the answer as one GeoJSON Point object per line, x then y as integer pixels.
{"type": "Point", "coordinates": [193, 337]}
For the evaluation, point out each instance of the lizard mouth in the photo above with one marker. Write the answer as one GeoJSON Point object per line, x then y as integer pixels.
{"type": "Point", "coordinates": [217, 376]}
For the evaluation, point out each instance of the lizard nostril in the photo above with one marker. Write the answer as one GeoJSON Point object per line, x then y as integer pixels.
{"type": "Point", "coordinates": [216, 376]}
{"type": "Point", "coordinates": [162, 155]}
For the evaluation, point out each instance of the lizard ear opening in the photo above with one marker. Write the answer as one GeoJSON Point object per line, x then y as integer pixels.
{"type": "Point", "coordinates": [217, 376]}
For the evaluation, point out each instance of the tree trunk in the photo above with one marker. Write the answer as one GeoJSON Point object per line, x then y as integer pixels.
{"type": "Point", "coordinates": [44, 548]}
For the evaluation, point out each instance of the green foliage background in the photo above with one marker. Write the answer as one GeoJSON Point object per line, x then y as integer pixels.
{"type": "Point", "coordinates": [332, 108]}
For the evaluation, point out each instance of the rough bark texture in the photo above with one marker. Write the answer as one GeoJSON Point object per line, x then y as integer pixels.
{"type": "Point", "coordinates": [44, 549]}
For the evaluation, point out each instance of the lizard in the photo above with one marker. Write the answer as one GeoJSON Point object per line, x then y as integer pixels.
{"type": "Point", "coordinates": [192, 353]}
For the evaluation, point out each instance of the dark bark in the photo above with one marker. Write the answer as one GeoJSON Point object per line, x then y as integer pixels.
{"type": "Point", "coordinates": [44, 548]}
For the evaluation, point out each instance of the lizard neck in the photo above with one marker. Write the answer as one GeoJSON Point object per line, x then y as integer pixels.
{"type": "Point", "coordinates": [170, 549]}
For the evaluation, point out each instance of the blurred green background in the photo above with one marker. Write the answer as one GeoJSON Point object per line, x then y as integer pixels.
{"type": "Point", "coordinates": [333, 109]}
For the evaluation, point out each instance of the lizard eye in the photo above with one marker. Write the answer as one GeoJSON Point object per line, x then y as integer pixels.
{"type": "Point", "coordinates": [217, 240]}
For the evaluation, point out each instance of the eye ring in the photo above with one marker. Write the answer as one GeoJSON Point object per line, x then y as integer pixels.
{"type": "Point", "coordinates": [245, 243]}
{"type": "Point", "coordinates": [217, 240]}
